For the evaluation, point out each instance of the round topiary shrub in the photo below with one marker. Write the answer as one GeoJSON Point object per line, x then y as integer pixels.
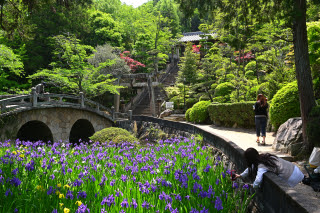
{"type": "Point", "coordinates": [223, 89]}
{"type": "Point", "coordinates": [114, 134]}
{"type": "Point", "coordinates": [250, 75]}
{"type": "Point", "coordinates": [285, 104]}
{"type": "Point", "coordinates": [187, 114]}
{"type": "Point", "coordinates": [199, 112]}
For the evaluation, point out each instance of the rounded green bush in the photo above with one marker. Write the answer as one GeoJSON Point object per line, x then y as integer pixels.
{"type": "Point", "coordinates": [285, 104]}
{"type": "Point", "coordinates": [231, 77]}
{"type": "Point", "coordinates": [187, 114]}
{"type": "Point", "coordinates": [264, 89]}
{"type": "Point", "coordinates": [250, 75]}
{"type": "Point", "coordinates": [199, 112]}
{"type": "Point", "coordinates": [114, 134]}
{"type": "Point", "coordinates": [223, 89]}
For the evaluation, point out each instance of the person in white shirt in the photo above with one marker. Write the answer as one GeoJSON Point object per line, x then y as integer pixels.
{"type": "Point", "coordinates": [258, 164]}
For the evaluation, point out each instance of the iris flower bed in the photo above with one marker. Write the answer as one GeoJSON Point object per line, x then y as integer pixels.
{"type": "Point", "coordinates": [176, 175]}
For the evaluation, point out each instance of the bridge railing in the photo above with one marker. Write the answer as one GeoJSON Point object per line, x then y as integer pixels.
{"type": "Point", "coordinates": [51, 99]}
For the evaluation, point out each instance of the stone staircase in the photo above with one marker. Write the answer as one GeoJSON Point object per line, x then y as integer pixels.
{"type": "Point", "coordinates": [143, 107]}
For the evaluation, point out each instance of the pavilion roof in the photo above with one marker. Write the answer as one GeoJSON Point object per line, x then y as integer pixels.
{"type": "Point", "coordinates": [195, 36]}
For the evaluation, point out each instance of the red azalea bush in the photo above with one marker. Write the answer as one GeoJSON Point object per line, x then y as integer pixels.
{"type": "Point", "coordinates": [133, 64]}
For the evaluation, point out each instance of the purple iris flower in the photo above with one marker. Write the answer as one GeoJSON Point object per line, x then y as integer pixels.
{"type": "Point", "coordinates": [178, 197]}
{"type": "Point", "coordinates": [217, 182]}
{"type": "Point", "coordinates": [69, 195]}
{"type": "Point", "coordinates": [14, 172]}
{"type": "Point", "coordinates": [204, 210]}
{"type": "Point", "coordinates": [30, 166]}
{"type": "Point", "coordinates": [50, 190]}
{"type": "Point", "coordinates": [125, 203]}
{"type": "Point", "coordinates": [218, 204]}
{"type": "Point", "coordinates": [108, 200]}
{"type": "Point", "coordinates": [194, 210]}
{"type": "Point", "coordinates": [134, 203]}
{"type": "Point", "coordinates": [235, 185]}
{"type": "Point", "coordinates": [245, 186]}
{"type": "Point", "coordinates": [7, 192]}
{"type": "Point", "coordinates": [124, 178]}
{"type": "Point", "coordinates": [82, 194]}
{"type": "Point", "coordinates": [112, 182]}
{"type": "Point", "coordinates": [54, 211]}
{"type": "Point", "coordinates": [82, 209]}
{"type": "Point", "coordinates": [145, 204]}
{"type": "Point", "coordinates": [15, 181]}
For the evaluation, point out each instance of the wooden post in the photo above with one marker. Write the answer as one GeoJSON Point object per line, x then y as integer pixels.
{"type": "Point", "coordinates": [34, 96]}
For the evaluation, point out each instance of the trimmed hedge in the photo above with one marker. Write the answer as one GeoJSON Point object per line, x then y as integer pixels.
{"type": "Point", "coordinates": [114, 134]}
{"type": "Point", "coordinates": [199, 112]}
{"type": "Point", "coordinates": [285, 104]}
{"type": "Point", "coordinates": [230, 114]}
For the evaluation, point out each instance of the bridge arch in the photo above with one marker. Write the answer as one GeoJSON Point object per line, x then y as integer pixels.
{"type": "Point", "coordinates": [63, 122]}
{"type": "Point", "coordinates": [81, 129]}
{"type": "Point", "coordinates": [34, 131]}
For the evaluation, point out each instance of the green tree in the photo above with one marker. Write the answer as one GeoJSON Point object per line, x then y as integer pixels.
{"type": "Point", "coordinates": [188, 66]}
{"type": "Point", "coordinates": [293, 12]}
{"type": "Point", "coordinates": [104, 29]}
{"type": "Point", "coordinates": [71, 70]}
{"type": "Point", "coordinates": [10, 67]}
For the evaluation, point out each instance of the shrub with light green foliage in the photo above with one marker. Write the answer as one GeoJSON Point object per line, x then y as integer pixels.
{"type": "Point", "coordinates": [263, 89]}
{"type": "Point", "coordinates": [187, 114]}
{"type": "Point", "coordinates": [117, 135]}
{"type": "Point", "coordinates": [223, 90]}
{"type": "Point", "coordinates": [230, 77]}
{"type": "Point", "coordinates": [199, 112]}
{"type": "Point", "coordinates": [250, 75]}
{"type": "Point", "coordinates": [230, 114]}
{"type": "Point", "coordinates": [285, 104]}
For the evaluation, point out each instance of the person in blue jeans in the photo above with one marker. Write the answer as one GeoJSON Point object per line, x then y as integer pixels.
{"type": "Point", "coordinates": [261, 115]}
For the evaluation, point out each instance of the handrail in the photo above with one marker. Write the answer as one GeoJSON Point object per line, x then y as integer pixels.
{"type": "Point", "coordinates": [46, 100]}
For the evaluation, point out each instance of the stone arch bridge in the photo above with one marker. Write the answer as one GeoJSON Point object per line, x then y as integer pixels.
{"type": "Point", "coordinates": [52, 117]}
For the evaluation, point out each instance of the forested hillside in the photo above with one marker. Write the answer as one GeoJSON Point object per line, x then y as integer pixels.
{"type": "Point", "coordinates": [82, 45]}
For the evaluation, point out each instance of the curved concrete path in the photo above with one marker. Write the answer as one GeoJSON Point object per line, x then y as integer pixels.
{"type": "Point", "coordinates": [245, 138]}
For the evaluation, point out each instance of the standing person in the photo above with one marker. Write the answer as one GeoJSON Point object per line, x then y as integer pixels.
{"type": "Point", "coordinates": [261, 114]}
{"type": "Point", "coordinates": [258, 164]}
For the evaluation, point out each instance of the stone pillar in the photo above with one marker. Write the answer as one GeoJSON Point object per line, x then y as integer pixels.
{"type": "Point", "coordinates": [117, 97]}
{"type": "Point", "coordinates": [151, 95]}
{"type": "Point", "coordinates": [130, 115]}
{"type": "Point", "coordinates": [172, 55]}
{"type": "Point", "coordinates": [178, 54]}
{"type": "Point", "coordinates": [112, 112]}
{"type": "Point", "coordinates": [34, 96]}
{"type": "Point", "coordinates": [81, 100]}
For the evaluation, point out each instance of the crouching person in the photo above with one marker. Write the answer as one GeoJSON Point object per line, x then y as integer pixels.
{"type": "Point", "coordinates": [258, 164]}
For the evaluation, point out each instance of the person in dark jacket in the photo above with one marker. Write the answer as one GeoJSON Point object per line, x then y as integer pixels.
{"type": "Point", "coordinates": [261, 115]}
{"type": "Point", "coordinates": [258, 164]}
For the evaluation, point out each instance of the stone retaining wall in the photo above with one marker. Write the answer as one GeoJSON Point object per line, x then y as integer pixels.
{"type": "Point", "coordinates": [274, 195]}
